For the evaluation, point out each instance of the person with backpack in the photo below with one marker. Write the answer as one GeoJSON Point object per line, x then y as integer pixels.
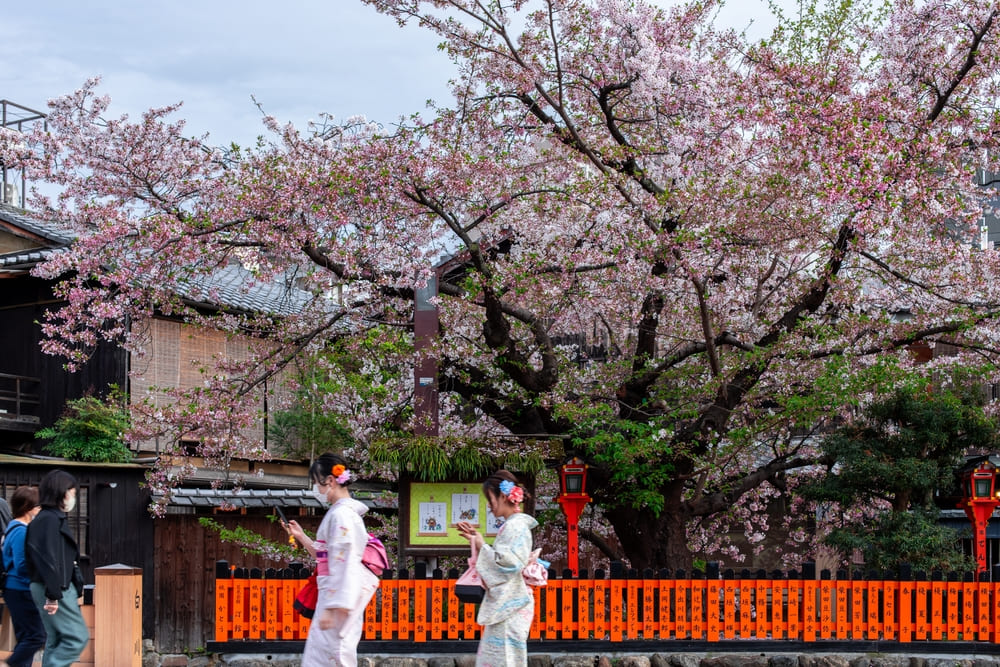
{"type": "Point", "coordinates": [56, 582]}
{"type": "Point", "coordinates": [345, 584]}
{"type": "Point", "coordinates": [28, 629]}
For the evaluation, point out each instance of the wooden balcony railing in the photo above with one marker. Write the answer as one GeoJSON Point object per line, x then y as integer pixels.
{"type": "Point", "coordinates": [19, 398]}
{"type": "Point", "coordinates": [255, 605]}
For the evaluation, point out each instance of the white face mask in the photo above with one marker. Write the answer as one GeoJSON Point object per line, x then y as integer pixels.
{"type": "Point", "coordinates": [320, 496]}
{"type": "Point", "coordinates": [69, 502]}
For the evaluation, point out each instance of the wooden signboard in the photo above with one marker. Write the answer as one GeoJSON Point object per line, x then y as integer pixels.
{"type": "Point", "coordinates": [428, 512]}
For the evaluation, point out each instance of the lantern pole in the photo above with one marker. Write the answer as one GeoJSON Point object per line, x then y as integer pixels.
{"type": "Point", "coordinates": [979, 501]}
{"type": "Point", "coordinates": [573, 498]}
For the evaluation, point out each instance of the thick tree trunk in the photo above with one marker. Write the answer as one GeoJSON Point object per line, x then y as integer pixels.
{"type": "Point", "coordinates": [652, 541]}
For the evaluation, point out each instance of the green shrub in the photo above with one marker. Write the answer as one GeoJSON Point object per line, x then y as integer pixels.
{"type": "Point", "coordinates": [90, 429]}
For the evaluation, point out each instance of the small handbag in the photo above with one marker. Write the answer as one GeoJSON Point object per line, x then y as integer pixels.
{"type": "Point", "coordinates": [470, 587]}
{"type": "Point", "coordinates": [536, 572]}
{"type": "Point", "coordinates": [374, 556]}
{"type": "Point", "coordinates": [305, 600]}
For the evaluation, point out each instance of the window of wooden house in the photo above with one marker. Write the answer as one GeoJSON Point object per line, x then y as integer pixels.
{"type": "Point", "coordinates": [79, 520]}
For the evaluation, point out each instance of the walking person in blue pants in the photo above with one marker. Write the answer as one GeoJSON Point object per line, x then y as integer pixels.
{"type": "Point", "coordinates": [28, 629]}
{"type": "Point", "coordinates": [56, 583]}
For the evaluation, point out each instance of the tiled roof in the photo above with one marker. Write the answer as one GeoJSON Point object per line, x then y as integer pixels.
{"type": "Point", "coordinates": [235, 287]}
{"type": "Point", "coordinates": [52, 231]}
{"type": "Point", "coordinates": [229, 287]}
{"type": "Point", "coordinates": [185, 497]}
{"type": "Point", "coordinates": [25, 259]}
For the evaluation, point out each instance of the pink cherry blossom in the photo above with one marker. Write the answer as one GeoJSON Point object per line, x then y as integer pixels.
{"type": "Point", "coordinates": [685, 252]}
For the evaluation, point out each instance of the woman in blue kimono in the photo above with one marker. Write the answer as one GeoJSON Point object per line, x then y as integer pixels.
{"type": "Point", "coordinates": [508, 609]}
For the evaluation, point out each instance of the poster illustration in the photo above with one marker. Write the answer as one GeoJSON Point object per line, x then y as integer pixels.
{"type": "Point", "coordinates": [432, 519]}
{"type": "Point", "coordinates": [465, 507]}
{"type": "Point", "coordinates": [493, 523]}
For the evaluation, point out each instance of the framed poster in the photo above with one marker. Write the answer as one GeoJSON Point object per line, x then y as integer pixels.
{"type": "Point", "coordinates": [429, 511]}
{"type": "Point", "coordinates": [431, 519]}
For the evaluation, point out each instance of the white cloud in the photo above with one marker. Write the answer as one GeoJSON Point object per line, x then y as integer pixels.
{"type": "Point", "coordinates": [297, 58]}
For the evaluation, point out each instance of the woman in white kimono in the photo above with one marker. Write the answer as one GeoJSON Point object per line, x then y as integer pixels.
{"type": "Point", "coordinates": [345, 584]}
{"type": "Point", "coordinates": [508, 609]}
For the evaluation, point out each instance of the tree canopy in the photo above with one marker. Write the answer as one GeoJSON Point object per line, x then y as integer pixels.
{"type": "Point", "coordinates": [672, 248]}
{"type": "Point", "coordinates": [905, 447]}
{"type": "Point", "coordinates": [886, 469]}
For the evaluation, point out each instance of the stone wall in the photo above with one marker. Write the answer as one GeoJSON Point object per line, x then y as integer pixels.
{"type": "Point", "coordinates": [152, 659]}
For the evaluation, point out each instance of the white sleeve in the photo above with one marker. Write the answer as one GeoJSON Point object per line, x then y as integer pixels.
{"type": "Point", "coordinates": [342, 589]}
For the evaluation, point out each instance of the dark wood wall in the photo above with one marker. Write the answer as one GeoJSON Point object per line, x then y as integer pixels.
{"type": "Point", "coordinates": [23, 303]}
{"type": "Point", "coordinates": [119, 526]}
{"type": "Point", "coordinates": [186, 554]}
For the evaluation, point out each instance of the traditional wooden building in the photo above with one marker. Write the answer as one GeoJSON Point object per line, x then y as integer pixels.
{"type": "Point", "coordinates": [34, 387]}
{"type": "Point", "coordinates": [113, 522]}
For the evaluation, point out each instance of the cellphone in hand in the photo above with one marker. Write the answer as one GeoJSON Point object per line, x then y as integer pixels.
{"type": "Point", "coordinates": [284, 520]}
{"type": "Point", "coordinates": [281, 514]}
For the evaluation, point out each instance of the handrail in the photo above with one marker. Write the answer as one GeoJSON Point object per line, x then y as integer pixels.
{"type": "Point", "coordinates": [257, 605]}
{"type": "Point", "coordinates": [13, 391]}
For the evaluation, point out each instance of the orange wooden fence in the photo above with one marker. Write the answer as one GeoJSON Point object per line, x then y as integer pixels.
{"type": "Point", "coordinates": [256, 605]}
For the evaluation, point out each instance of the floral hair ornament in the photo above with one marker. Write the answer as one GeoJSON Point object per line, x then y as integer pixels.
{"type": "Point", "coordinates": [514, 493]}
{"type": "Point", "coordinates": [341, 474]}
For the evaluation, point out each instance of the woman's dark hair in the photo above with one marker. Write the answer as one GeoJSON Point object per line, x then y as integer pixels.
{"type": "Point", "coordinates": [491, 485]}
{"type": "Point", "coordinates": [322, 467]}
{"type": "Point", "coordinates": [53, 488]}
{"type": "Point", "coordinates": [24, 500]}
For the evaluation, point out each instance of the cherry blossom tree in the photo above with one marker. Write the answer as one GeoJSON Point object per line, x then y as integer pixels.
{"type": "Point", "coordinates": [674, 249]}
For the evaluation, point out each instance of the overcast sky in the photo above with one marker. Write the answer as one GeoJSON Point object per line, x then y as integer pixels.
{"type": "Point", "coordinates": [297, 58]}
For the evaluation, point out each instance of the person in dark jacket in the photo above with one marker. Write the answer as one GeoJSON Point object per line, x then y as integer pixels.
{"type": "Point", "coordinates": [28, 628]}
{"type": "Point", "coordinates": [51, 554]}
